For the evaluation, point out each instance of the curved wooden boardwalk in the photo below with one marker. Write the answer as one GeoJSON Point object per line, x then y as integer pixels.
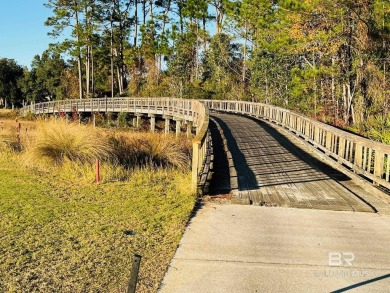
{"type": "Point", "coordinates": [272, 171]}
{"type": "Point", "coordinates": [255, 162]}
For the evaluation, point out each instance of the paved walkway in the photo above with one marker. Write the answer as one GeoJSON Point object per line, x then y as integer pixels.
{"type": "Point", "coordinates": [232, 248]}
{"type": "Point", "coordinates": [272, 171]}
{"type": "Point", "coordinates": [272, 247]}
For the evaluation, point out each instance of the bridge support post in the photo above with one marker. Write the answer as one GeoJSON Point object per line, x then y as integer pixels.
{"type": "Point", "coordinates": [167, 124]}
{"type": "Point", "coordinates": [134, 122]}
{"type": "Point", "coordinates": [138, 120]}
{"type": "Point", "coordinates": [178, 126]}
{"type": "Point", "coordinates": [152, 122]}
{"type": "Point", "coordinates": [189, 128]}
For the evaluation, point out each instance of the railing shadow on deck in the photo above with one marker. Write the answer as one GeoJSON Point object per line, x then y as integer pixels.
{"type": "Point", "coordinates": [220, 180]}
{"type": "Point", "coordinates": [246, 178]}
{"type": "Point", "coordinates": [301, 154]}
{"type": "Point", "coordinates": [300, 167]}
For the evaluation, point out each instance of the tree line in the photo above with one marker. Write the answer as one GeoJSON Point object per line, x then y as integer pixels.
{"type": "Point", "coordinates": [328, 59]}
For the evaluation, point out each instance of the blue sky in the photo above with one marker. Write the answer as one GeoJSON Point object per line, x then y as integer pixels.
{"type": "Point", "coordinates": [22, 30]}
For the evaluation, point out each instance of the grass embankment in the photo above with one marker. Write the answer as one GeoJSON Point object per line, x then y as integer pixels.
{"type": "Point", "coordinates": [59, 232]}
{"type": "Point", "coordinates": [7, 114]}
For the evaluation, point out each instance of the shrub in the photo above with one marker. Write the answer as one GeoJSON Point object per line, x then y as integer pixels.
{"type": "Point", "coordinates": [122, 119]}
{"type": "Point", "coordinates": [164, 150]}
{"type": "Point", "coordinates": [9, 114]}
{"type": "Point", "coordinates": [58, 141]}
{"type": "Point", "coordinates": [30, 116]}
{"type": "Point", "coordinates": [111, 119]}
{"type": "Point", "coordinates": [149, 149]}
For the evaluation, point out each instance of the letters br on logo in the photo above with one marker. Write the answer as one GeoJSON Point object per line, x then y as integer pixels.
{"type": "Point", "coordinates": [336, 259]}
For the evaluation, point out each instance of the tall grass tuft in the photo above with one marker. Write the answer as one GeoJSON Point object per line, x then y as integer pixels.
{"type": "Point", "coordinates": [149, 149]}
{"type": "Point", "coordinates": [15, 136]}
{"type": "Point", "coordinates": [165, 151]}
{"type": "Point", "coordinates": [9, 141]}
{"type": "Point", "coordinates": [58, 141]}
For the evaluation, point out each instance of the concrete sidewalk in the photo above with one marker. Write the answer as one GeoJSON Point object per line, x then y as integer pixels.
{"type": "Point", "coordinates": [231, 248]}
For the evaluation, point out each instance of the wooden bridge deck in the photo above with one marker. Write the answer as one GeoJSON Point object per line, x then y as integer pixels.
{"type": "Point", "coordinates": [272, 171]}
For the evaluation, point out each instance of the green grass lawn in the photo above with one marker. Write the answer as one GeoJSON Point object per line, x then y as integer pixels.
{"type": "Point", "coordinates": [59, 236]}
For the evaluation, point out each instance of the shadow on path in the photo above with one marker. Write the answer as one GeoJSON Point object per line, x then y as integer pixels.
{"type": "Point", "coordinates": [220, 181]}
{"type": "Point", "coordinates": [301, 154]}
{"type": "Point", "coordinates": [362, 284]}
{"type": "Point", "coordinates": [264, 157]}
{"type": "Point", "coordinates": [272, 170]}
{"type": "Point", "coordinates": [246, 178]}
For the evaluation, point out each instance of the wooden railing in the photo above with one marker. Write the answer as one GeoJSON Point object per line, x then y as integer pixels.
{"type": "Point", "coordinates": [365, 157]}
{"type": "Point", "coordinates": [187, 110]}
{"type": "Point", "coordinates": [201, 152]}
{"type": "Point", "coordinates": [178, 108]}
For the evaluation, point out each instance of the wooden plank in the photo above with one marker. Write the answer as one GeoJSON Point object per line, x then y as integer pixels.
{"type": "Point", "coordinates": [358, 155]}
{"type": "Point", "coordinates": [364, 158]}
{"type": "Point", "coordinates": [351, 152]}
{"type": "Point", "coordinates": [369, 161]}
{"type": "Point", "coordinates": [328, 141]}
{"type": "Point", "coordinates": [341, 151]}
{"type": "Point", "coordinates": [378, 164]}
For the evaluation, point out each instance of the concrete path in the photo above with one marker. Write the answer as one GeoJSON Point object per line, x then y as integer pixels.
{"type": "Point", "coordinates": [231, 248]}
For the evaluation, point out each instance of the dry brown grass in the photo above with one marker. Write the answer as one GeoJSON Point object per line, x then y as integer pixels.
{"type": "Point", "coordinates": [8, 114]}
{"type": "Point", "coordinates": [14, 135]}
{"type": "Point", "coordinates": [73, 148]}
{"type": "Point", "coordinates": [60, 141]}
{"type": "Point", "coordinates": [150, 149]}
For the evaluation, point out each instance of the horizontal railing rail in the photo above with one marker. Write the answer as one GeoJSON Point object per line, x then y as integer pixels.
{"type": "Point", "coordinates": [365, 157]}
{"type": "Point", "coordinates": [187, 110]}
{"type": "Point", "coordinates": [179, 108]}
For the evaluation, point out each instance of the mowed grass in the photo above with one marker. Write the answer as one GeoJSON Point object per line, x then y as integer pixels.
{"type": "Point", "coordinates": [57, 235]}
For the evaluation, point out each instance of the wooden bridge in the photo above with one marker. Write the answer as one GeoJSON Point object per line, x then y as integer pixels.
{"type": "Point", "coordinates": [262, 154]}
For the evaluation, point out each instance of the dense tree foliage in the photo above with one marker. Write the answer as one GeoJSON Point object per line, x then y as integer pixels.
{"type": "Point", "coordinates": [10, 75]}
{"type": "Point", "coordinates": [328, 58]}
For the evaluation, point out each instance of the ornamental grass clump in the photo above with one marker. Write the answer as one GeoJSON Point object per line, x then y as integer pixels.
{"type": "Point", "coordinates": [164, 150]}
{"type": "Point", "coordinates": [58, 141]}
{"type": "Point", "coordinates": [149, 150]}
